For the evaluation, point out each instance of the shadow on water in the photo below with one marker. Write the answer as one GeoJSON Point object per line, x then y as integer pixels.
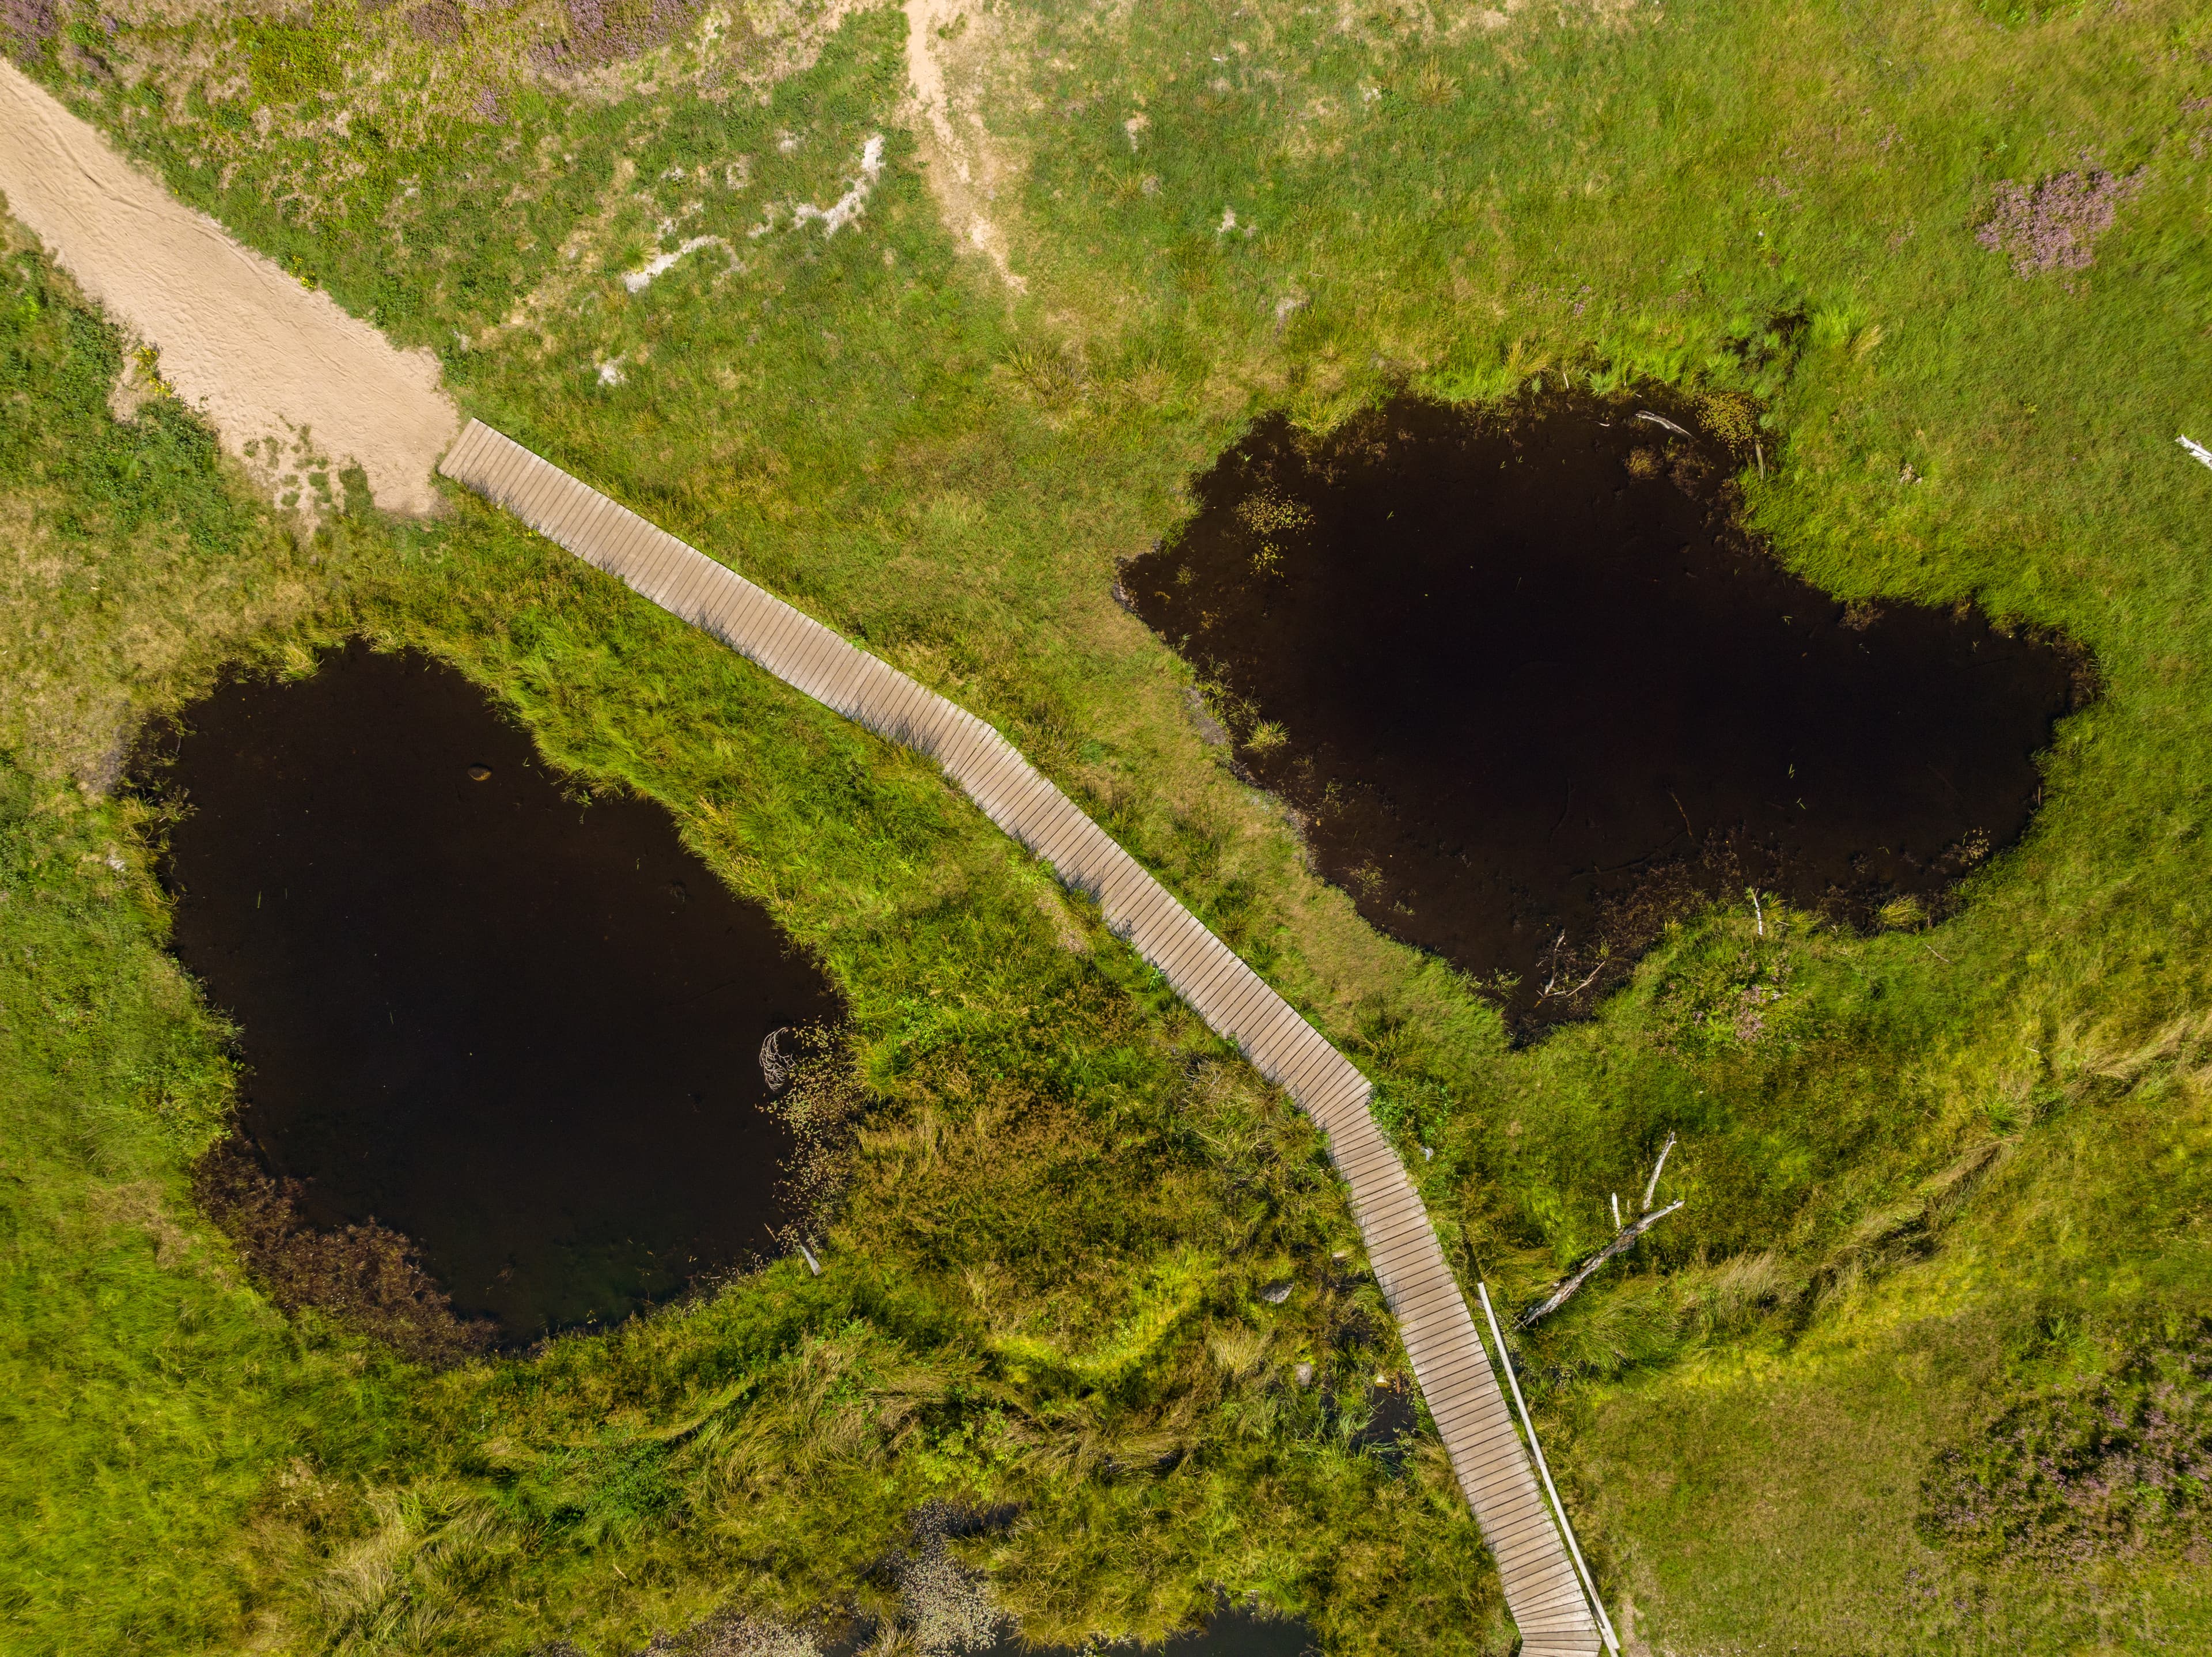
{"type": "Point", "coordinates": [522, 1030]}
{"type": "Point", "coordinates": [941, 1607]}
{"type": "Point", "coordinates": [1533, 692]}
{"type": "Point", "coordinates": [1233, 1630]}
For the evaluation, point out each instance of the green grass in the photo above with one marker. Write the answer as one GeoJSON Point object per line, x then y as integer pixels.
{"type": "Point", "coordinates": [1962, 1168]}
{"type": "Point", "coordinates": [1043, 1284]}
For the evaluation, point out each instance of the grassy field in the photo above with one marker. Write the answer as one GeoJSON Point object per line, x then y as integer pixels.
{"type": "Point", "coordinates": [1922, 1365]}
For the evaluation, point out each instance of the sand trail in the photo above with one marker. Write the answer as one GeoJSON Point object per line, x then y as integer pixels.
{"type": "Point", "coordinates": [257, 355]}
{"type": "Point", "coordinates": [965, 172]}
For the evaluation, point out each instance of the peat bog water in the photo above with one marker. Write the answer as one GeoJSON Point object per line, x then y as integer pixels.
{"type": "Point", "coordinates": [1534, 691]}
{"type": "Point", "coordinates": [522, 1030]}
{"type": "Point", "coordinates": [1233, 1630]}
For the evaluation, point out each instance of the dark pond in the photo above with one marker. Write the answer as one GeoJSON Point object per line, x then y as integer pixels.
{"type": "Point", "coordinates": [522, 1030]}
{"type": "Point", "coordinates": [1232, 1631]}
{"type": "Point", "coordinates": [1533, 692]}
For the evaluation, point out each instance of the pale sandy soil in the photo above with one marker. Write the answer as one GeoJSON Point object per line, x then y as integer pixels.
{"type": "Point", "coordinates": [269, 364]}
{"type": "Point", "coordinates": [965, 173]}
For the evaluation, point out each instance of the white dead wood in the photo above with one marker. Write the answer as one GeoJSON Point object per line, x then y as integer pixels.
{"type": "Point", "coordinates": [1651, 1185]}
{"type": "Point", "coordinates": [2196, 449]}
{"type": "Point", "coordinates": [1661, 420]}
{"type": "Point", "coordinates": [850, 205]}
{"type": "Point", "coordinates": [1620, 1245]}
{"type": "Point", "coordinates": [1550, 985]}
{"type": "Point", "coordinates": [661, 265]}
{"type": "Point", "coordinates": [1752, 891]}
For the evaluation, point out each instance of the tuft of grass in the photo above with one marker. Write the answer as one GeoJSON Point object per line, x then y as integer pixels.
{"type": "Point", "coordinates": [1906, 914]}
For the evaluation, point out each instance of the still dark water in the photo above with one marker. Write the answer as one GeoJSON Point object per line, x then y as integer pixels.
{"type": "Point", "coordinates": [1232, 1631]}
{"type": "Point", "coordinates": [1534, 693]}
{"type": "Point", "coordinates": [522, 1030]}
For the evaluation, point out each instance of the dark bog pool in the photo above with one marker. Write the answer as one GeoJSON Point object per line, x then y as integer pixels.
{"type": "Point", "coordinates": [1232, 1631]}
{"type": "Point", "coordinates": [521, 1029]}
{"type": "Point", "coordinates": [1533, 691]}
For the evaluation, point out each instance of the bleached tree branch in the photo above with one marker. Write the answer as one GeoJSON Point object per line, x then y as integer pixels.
{"type": "Point", "coordinates": [1621, 1244]}
{"type": "Point", "coordinates": [1651, 1185]}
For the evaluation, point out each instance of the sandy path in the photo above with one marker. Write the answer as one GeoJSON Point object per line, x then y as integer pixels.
{"type": "Point", "coordinates": [243, 343]}
{"type": "Point", "coordinates": [964, 171]}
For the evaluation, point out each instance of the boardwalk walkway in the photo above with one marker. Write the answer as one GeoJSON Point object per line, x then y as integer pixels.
{"type": "Point", "coordinates": [1449, 1359]}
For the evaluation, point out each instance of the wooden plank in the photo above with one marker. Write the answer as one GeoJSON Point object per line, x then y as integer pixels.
{"type": "Point", "coordinates": [691, 577]}
{"type": "Point", "coordinates": [1203, 967]}
{"type": "Point", "coordinates": [1060, 838]}
{"type": "Point", "coordinates": [1249, 1001]}
{"type": "Point", "coordinates": [648, 564]}
{"type": "Point", "coordinates": [1235, 995]}
{"type": "Point", "coordinates": [1450, 1361]}
{"type": "Point", "coordinates": [767, 646]}
{"type": "Point", "coordinates": [810, 658]}
{"type": "Point", "coordinates": [1306, 1072]}
{"type": "Point", "coordinates": [1006, 797]}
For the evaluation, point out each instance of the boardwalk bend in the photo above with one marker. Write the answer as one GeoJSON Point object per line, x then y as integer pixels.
{"type": "Point", "coordinates": [1449, 1359]}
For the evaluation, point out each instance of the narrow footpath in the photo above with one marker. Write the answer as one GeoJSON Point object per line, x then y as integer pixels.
{"type": "Point", "coordinates": [266, 361]}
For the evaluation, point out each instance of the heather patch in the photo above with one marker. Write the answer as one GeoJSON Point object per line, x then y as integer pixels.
{"type": "Point", "coordinates": [603, 31]}
{"type": "Point", "coordinates": [2054, 225]}
{"type": "Point", "coordinates": [2116, 1466]}
{"type": "Point", "coordinates": [439, 23]}
{"type": "Point", "coordinates": [25, 25]}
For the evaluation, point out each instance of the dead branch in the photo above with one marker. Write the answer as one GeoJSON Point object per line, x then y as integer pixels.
{"type": "Point", "coordinates": [1661, 420]}
{"type": "Point", "coordinates": [1619, 1245]}
{"type": "Point", "coordinates": [1547, 992]}
{"type": "Point", "coordinates": [1651, 1185]}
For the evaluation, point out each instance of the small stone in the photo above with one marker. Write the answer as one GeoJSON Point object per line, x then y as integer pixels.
{"type": "Point", "coordinates": [1304, 1374]}
{"type": "Point", "coordinates": [1276, 1293]}
{"type": "Point", "coordinates": [479, 773]}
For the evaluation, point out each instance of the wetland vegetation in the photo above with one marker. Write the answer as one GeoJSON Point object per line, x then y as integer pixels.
{"type": "Point", "coordinates": [1945, 1197]}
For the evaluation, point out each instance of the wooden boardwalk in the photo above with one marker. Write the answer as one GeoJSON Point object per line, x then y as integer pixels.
{"type": "Point", "coordinates": [1450, 1361]}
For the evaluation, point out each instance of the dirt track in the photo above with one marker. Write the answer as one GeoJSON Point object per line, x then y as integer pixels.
{"type": "Point", "coordinates": [259, 354]}
{"type": "Point", "coordinates": [965, 171]}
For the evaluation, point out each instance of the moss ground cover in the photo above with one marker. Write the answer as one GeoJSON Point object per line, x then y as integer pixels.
{"type": "Point", "coordinates": [1946, 1186]}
